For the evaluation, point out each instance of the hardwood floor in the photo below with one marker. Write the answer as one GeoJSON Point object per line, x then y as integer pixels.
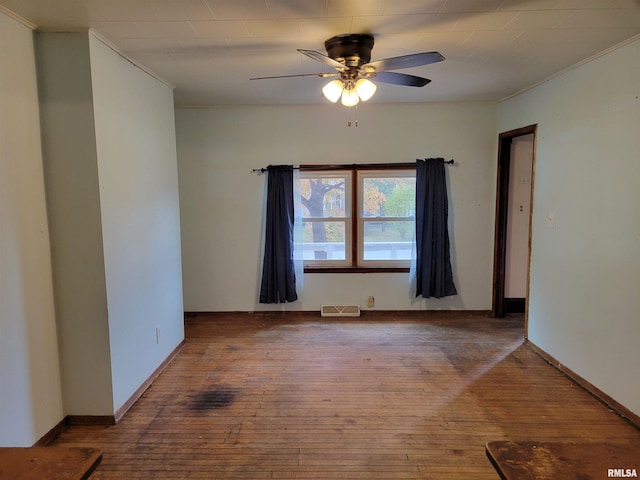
{"type": "Point", "coordinates": [415, 396]}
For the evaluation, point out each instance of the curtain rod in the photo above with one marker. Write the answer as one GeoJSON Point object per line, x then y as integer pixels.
{"type": "Point", "coordinates": [351, 166]}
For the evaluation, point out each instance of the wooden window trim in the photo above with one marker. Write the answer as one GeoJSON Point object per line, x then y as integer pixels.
{"type": "Point", "coordinates": [317, 269]}
{"type": "Point", "coordinates": [355, 233]}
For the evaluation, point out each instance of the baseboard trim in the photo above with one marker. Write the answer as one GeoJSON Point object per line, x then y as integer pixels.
{"type": "Point", "coordinates": [51, 435]}
{"type": "Point", "coordinates": [515, 305]}
{"type": "Point", "coordinates": [316, 313]}
{"type": "Point", "coordinates": [147, 383]}
{"type": "Point", "coordinates": [106, 420]}
{"type": "Point", "coordinates": [612, 404]}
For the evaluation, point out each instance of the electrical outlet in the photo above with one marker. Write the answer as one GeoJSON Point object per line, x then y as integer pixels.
{"type": "Point", "coordinates": [371, 302]}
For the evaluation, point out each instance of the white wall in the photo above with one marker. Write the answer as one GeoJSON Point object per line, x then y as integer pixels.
{"type": "Point", "coordinates": [73, 202]}
{"type": "Point", "coordinates": [30, 399]}
{"type": "Point", "coordinates": [585, 271]}
{"type": "Point", "coordinates": [222, 202]}
{"type": "Point", "coordinates": [110, 158]}
{"type": "Point", "coordinates": [138, 178]}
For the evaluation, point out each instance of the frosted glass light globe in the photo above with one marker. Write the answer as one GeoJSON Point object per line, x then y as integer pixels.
{"type": "Point", "coordinates": [365, 89]}
{"type": "Point", "coordinates": [333, 90]}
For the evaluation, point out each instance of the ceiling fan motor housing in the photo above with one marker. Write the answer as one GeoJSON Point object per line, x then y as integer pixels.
{"type": "Point", "coordinates": [353, 49]}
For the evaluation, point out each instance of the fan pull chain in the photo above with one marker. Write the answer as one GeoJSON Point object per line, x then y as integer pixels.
{"type": "Point", "coordinates": [354, 122]}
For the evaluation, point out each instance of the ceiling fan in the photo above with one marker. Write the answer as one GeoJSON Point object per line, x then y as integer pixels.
{"type": "Point", "coordinates": [350, 56]}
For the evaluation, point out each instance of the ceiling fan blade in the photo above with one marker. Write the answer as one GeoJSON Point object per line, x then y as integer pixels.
{"type": "Point", "coordinates": [323, 75]}
{"type": "Point", "coordinates": [405, 61]}
{"type": "Point", "coordinates": [401, 79]}
{"type": "Point", "coordinates": [323, 59]}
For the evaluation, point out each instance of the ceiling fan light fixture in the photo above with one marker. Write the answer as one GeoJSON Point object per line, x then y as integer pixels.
{"type": "Point", "coordinates": [350, 97]}
{"type": "Point", "coordinates": [365, 89]}
{"type": "Point", "coordinates": [349, 56]}
{"type": "Point", "coordinates": [333, 90]}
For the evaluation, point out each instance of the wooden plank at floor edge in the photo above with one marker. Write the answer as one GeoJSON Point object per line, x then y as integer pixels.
{"type": "Point", "coordinates": [39, 463]}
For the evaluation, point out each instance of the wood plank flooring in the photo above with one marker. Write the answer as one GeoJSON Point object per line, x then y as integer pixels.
{"type": "Point", "coordinates": [415, 396]}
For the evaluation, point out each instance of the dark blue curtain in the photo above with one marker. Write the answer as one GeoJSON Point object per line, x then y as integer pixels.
{"type": "Point", "coordinates": [278, 275]}
{"type": "Point", "coordinates": [434, 277]}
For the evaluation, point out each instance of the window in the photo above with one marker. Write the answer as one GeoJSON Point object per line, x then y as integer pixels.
{"type": "Point", "coordinates": [386, 216]}
{"type": "Point", "coordinates": [326, 218]}
{"type": "Point", "coordinates": [357, 218]}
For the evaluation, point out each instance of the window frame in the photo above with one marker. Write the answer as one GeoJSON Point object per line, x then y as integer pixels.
{"type": "Point", "coordinates": [362, 175]}
{"type": "Point", "coordinates": [347, 219]}
{"type": "Point", "coordinates": [358, 172]}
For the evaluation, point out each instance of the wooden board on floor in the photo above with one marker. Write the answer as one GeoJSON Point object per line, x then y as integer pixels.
{"type": "Point", "coordinates": [564, 460]}
{"type": "Point", "coordinates": [50, 463]}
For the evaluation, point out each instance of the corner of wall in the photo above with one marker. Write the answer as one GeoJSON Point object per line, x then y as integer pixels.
{"type": "Point", "coordinates": [73, 198]}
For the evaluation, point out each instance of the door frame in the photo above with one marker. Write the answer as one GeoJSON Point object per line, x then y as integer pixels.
{"type": "Point", "coordinates": [505, 139]}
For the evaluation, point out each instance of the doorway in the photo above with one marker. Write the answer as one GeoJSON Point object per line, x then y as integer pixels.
{"type": "Point", "coordinates": [514, 199]}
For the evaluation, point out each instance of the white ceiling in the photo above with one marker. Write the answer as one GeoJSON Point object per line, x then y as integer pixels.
{"type": "Point", "coordinates": [209, 49]}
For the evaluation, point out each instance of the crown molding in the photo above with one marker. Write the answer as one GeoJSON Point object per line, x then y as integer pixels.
{"type": "Point", "coordinates": [131, 60]}
{"type": "Point", "coordinates": [18, 18]}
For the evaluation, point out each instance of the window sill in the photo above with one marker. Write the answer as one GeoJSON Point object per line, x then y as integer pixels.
{"type": "Point", "coordinates": [356, 270]}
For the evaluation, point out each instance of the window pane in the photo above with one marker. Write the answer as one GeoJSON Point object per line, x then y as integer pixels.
{"type": "Point", "coordinates": [387, 240]}
{"type": "Point", "coordinates": [323, 197]}
{"type": "Point", "coordinates": [388, 196]}
{"type": "Point", "coordinates": [324, 240]}
{"type": "Point", "coordinates": [325, 210]}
